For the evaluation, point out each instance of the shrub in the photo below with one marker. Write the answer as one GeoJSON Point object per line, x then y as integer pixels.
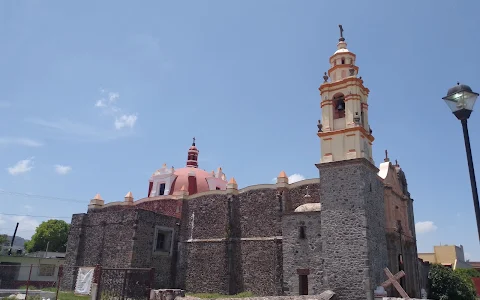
{"type": "Point", "coordinates": [449, 285]}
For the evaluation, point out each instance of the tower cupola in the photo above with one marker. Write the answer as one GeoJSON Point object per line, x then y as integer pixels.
{"type": "Point", "coordinates": [344, 130]}
{"type": "Point", "coordinates": [192, 159]}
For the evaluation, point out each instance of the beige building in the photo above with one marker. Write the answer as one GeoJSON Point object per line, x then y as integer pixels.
{"type": "Point", "coordinates": [447, 255]}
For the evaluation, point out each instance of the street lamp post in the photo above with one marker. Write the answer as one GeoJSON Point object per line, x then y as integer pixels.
{"type": "Point", "coordinates": [461, 99]}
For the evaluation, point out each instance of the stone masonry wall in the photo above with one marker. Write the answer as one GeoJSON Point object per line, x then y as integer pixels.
{"type": "Point", "coordinates": [202, 265]}
{"type": "Point", "coordinates": [373, 193]}
{"type": "Point", "coordinates": [297, 194]}
{"type": "Point", "coordinates": [302, 254]}
{"type": "Point", "coordinates": [72, 253]}
{"type": "Point", "coordinates": [143, 255]}
{"type": "Point", "coordinates": [353, 239]}
{"type": "Point", "coordinates": [103, 238]}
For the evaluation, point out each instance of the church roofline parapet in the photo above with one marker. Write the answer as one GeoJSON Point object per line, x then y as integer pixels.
{"type": "Point", "coordinates": [185, 196]}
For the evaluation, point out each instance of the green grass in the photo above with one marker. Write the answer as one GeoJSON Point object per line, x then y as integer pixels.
{"type": "Point", "coordinates": [61, 295]}
{"type": "Point", "coordinates": [216, 295]}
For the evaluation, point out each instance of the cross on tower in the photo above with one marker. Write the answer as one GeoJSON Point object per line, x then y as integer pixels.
{"type": "Point", "coordinates": [193, 144]}
{"type": "Point", "coordinates": [341, 33]}
{"type": "Point", "coordinates": [393, 280]}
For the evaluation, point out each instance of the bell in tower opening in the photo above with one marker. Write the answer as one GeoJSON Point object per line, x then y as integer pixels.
{"type": "Point", "coordinates": [339, 104]}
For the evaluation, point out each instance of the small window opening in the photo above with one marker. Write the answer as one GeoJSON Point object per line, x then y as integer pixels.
{"type": "Point", "coordinates": [302, 233]}
{"type": "Point", "coordinates": [162, 240]}
{"type": "Point", "coordinates": [362, 118]}
{"type": "Point", "coordinates": [217, 188]}
{"type": "Point", "coordinates": [343, 61]}
{"type": "Point", "coordinates": [303, 284]}
{"type": "Point", "coordinates": [161, 190]}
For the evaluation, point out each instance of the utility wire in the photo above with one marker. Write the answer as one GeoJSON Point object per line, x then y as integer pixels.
{"type": "Point", "coordinates": [51, 217]}
{"type": "Point", "coordinates": [41, 196]}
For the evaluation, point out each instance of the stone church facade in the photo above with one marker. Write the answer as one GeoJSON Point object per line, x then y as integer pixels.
{"type": "Point", "coordinates": [203, 234]}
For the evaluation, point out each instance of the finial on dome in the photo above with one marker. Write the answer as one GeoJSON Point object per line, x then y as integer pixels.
{"type": "Point", "coordinates": [232, 185]}
{"type": "Point", "coordinates": [386, 156]}
{"type": "Point", "coordinates": [193, 144]}
{"type": "Point", "coordinates": [341, 39]}
{"type": "Point", "coordinates": [96, 202]}
{"type": "Point", "coordinates": [164, 165]}
{"type": "Point", "coordinates": [282, 178]}
{"type": "Point", "coordinates": [129, 197]}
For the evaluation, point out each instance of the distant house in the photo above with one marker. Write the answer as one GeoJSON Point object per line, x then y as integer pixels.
{"type": "Point", "coordinates": [16, 271]}
{"type": "Point", "coordinates": [448, 255]}
{"type": "Point", "coordinates": [43, 254]}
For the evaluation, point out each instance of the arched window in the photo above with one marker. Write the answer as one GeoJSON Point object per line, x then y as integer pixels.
{"type": "Point", "coordinates": [338, 106]}
{"type": "Point", "coordinates": [343, 60]}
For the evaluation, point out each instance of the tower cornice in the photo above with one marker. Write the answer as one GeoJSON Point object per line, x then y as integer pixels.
{"type": "Point", "coordinates": [347, 130]}
{"type": "Point", "coordinates": [349, 81]}
{"type": "Point", "coordinates": [342, 67]}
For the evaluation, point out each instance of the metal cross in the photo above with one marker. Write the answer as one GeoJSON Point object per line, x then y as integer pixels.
{"type": "Point", "coordinates": [393, 280]}
{"type": "Point", "coordinates": [341, 30]}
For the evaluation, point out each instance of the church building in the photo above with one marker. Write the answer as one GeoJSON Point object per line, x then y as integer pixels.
{"type": "Point", "coordinates": [203, 234]}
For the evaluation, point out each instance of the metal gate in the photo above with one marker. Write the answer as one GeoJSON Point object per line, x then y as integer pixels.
{"type": "Point", "coordinates": [124, 283]}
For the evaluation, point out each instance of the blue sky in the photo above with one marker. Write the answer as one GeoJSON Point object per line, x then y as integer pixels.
{"type": "Point", "coordinates": [241, 76]}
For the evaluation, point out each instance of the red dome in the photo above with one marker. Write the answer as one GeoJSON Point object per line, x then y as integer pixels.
{"type": "Point", "coordinates": [193, 184]}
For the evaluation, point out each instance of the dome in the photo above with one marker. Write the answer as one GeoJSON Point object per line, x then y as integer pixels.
{"type": "Point", "coordinates": [309, 207]}
{"type": "Point", "coordinates": [201, 184]}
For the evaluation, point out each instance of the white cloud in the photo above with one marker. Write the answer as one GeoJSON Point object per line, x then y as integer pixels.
{"type": "Point", "coordinates": [108, 106]}
{"type": "Point", "coordinates": [21, 167]}
{"type": "Point", "coordinates": [26, 227]}
{"type": "Point", "coordinates": [425, 227]}
{"type": "Point", "coordinates": [62, 170]}
{"type": "Point", "coordinates": [79, 132]}
{"type": "Point", "coordinates": [295, 177]}
{"type": "Point", "coordinates": [125, 121]}
{"type": "Point", "coordinates": [6, 141]}
{"type": "Point", "coordinates": [292, 178]}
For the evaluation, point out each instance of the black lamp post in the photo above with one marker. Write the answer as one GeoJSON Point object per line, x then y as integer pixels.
{"type": "Point", "coordinates": [461, 99]}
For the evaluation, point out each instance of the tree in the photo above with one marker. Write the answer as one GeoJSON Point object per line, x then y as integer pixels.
{"type": "Point", "coordinates": [3, 240]}
{"type": "Point", "coordinates": [449, 285]}
{"type": "Point", "coordinates": [52, 232]}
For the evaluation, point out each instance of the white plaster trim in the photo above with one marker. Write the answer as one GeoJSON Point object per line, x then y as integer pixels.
{"type": "Point", "coordinates": [384, 167]}
{"type": "Point", "coordinates": [269, 238]}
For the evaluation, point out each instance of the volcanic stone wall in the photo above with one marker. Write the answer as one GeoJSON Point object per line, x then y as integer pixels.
{"type": "Point", "coordinates": [232, 242]}
{"type": "Point", "coordinates": [302, 255]}
{"type": "Point", "coordinates": [103, 238]}
{"type": "Point", "coordinates": [115, 239]}
{"type": "Point", "coordinates": [202, 266]}
{"type": "Point", "coordinates": [143, 255]}
{"type": "Point", "coordinates": [353, 228]}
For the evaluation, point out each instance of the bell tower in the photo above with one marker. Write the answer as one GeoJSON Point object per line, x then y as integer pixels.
{"type": "Point", "coordinates": [344, 132]}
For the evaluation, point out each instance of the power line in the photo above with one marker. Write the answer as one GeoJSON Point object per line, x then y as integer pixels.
{"type": "Point", "coordinates": [51, 217]}
{"type": "Point", "coordinates": [41, 196]}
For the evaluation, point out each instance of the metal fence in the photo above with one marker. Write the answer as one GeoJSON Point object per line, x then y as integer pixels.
{"type": "Point", "coordinates": [34, 279]}
{"type": "Point", "coordinates": [44, 281]}
{"type": "Point", "coordinates": [123, 283]}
